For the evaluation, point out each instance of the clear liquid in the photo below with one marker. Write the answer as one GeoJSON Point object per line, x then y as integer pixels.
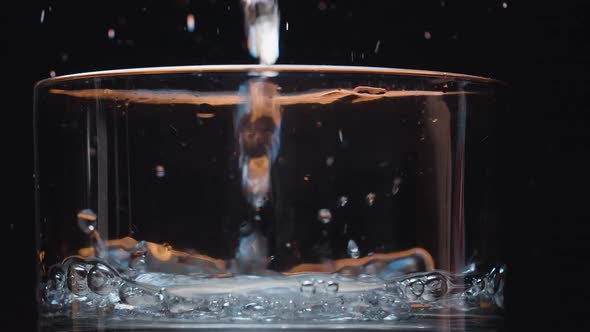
{"type": "Point", "coordinates": [360, 242]}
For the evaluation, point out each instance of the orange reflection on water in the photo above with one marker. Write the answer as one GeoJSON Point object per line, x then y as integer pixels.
{"type": "Point", "coordinates": [164, 253]}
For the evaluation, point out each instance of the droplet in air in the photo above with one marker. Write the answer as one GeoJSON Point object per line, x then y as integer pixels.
{"type": "Point", "coordinates": [353, 249]}
{"type": "Point", "coordinates": [190, 22]}
{"type": "Point", "coordinates": [377, 46]}
{"type": "Point", "coordinates": [396, 185]}
{"type": "Point", "coordinates": [342, 201]}
{"type": "Point", "coordinates": [325, 216]}
{"type": "Point", "coordinates": [101, 279]}
{"type": "Point", "coordinates": [287, 26]}
{"type": "Point", "coordinates": [329, 161]}
{"type": "Point", "coordinates": [307, 287]}
{"type": "Point", "coordinates": [42, 16]}
{"type": "Point", "coordinates": [111, 33]}
{"type": "Point", "coordinates": [371, 198]}
{"type": "Point", "coordinates": [77, 281]}
{"type": "Point", "coordinates": [504, 5]}
{"type": "Point", "coordinates": [87, 221]}
{"type": "Point", "coordinates": [160, 171]}
{"type": "Point", "coordinates": [306, 177]}
{"type": "Point", "coordinates": [427, 35]}
{"type": "Point", "coordinates": [52, 73]}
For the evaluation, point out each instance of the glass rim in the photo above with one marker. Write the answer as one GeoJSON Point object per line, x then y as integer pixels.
{"type": "Point", "coordinates": [273, 69]}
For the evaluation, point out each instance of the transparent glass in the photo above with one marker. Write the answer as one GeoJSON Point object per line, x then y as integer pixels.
{"type": "Point", "coordinates": [268, 196]}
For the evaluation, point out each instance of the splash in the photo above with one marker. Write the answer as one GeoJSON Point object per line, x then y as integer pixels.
{"type": "Point", "coordinates": [261, 18]}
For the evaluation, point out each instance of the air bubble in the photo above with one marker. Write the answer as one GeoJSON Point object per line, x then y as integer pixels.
{"type": "Point", "coordinates": [307, 287]}
{"type": "Point", "coordinates": [332, 286]}
{"type": "Point", "coordinates": [435, 288]}
{"type": "Point", "coordinates": [416, 288]}
{"type": "Point", "coordinates": [57, 277]}
{"type": "Point", "coordinates": [77, 278]}
{"type": "Point", "coordinates": [101, 280]}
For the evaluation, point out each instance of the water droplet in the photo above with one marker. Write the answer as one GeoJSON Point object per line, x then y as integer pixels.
{"type": "Point", "coordinates": [434, 120]}
{"type": "Point", "coordinates": [87, 221]}
{"type": "Point", "coordinates": [332, 286]}
{"type": "Point", "coordinates": [288, 244]}
{"type": "Point", "coordinates": [340, 136]}
{"type": "Point", "coordinates": [52, 73]}
{"type": "Point", "coordinates": [42, 16]}
{"type": "Point", "coordinates": [427, 35]}
{"type": "Point", "coordinates": [306, 177]}
{"type": "Point", "coordinates": [377, 46]}
{"type": "Point", "coordinates": [342, 200]}
{"type": "Point", "coordinates": [330, 161]}
{"type": "Point", "coordinates": [371, 198]}
{"type": "Point", "coordinates": [504, 5]}
{"type": "Point", "coordinates": [318, 124]}
{"type": "Point", "coordinates": [307, 287]}
{"type": "Point", "coordinates": [111, 33]}
{"type": "Point", "coordinates": [396, 185]}
{"type": "Point", "coordinates": [101, 279]}
{"type": "Point", "coordinates": [353, 249]}
{"type": "Point", "coordinates": [160, 171]}
{"type": "Point", "coordinates": [324, 215]}
{"type": "Point", "coordinates": [190, 22]}
{"type": "Point", "coordinates": [495, 280]}
{"type": "Point", "coordinates": [77, 282]}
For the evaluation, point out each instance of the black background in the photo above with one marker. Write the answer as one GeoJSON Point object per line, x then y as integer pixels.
{"type": "Point", "coordinates": [540, 48]}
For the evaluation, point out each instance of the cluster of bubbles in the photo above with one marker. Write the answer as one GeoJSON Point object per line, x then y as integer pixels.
{"type": "Point", "coordinates": [313, 286]}
{"type": "Point", "coordinates": [95, 284]}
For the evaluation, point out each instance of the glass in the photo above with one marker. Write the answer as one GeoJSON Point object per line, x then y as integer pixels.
{"type": "Point", "coordinates": [274, 196]}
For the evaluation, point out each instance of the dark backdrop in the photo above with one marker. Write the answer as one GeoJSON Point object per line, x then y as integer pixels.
{"type": "Point", "coordinates": [540, 48]}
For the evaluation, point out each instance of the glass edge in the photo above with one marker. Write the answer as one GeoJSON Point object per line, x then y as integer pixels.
{"type": "Point", "coordinates": [263, 68]}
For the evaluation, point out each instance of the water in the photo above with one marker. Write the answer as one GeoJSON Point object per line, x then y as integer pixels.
{"type": "Point", "coordinates": [269, 203]}
{"type": "Point", "coordinates": [315, 297]}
